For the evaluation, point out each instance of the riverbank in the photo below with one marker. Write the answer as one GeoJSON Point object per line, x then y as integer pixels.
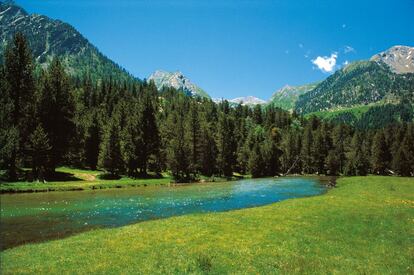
{"type": "Point", "coordinates": [363, 226]}
{"type": "Point", "coordinates": [79, 180]}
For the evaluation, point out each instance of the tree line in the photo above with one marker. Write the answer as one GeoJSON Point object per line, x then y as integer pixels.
{"type": "Point", "coordinates": [130, 128]}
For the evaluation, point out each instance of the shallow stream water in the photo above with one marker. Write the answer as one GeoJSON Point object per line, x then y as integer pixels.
{"type": "Point", "coordinates": [36, 217]}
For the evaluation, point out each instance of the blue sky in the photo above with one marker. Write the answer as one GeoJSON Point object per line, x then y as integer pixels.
{"type": "Point", "coordinates": [237, 48]}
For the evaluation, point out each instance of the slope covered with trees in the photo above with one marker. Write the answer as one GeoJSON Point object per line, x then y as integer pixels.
{"type": "Point", "coordinates": [49, 38]}
{"type": "Point", "coordinates": [358, 83]}
{"type": "Point", "coordinates": [129, 128]}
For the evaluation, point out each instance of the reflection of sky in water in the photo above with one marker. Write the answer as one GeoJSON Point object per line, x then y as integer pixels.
{"type": "Point", "coordinates": [34, 217]}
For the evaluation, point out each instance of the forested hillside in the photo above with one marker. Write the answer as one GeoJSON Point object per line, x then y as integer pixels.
{"type": "Point", "coordinates": [129, 128]}
{"type": "Point", "coordinates": [49, 38]}
{"type": "Point", "coordinates": [358, 83]}
{"type": "Point", "coordinates": [287, 96]}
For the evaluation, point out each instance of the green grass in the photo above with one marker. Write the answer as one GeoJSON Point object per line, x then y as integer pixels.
{"type": "Point", "coordinates": [357, 111]}
{"type": "Point", "coordinates": [364, 226]}
{"type": "Point", "coordinates": [83, 180]}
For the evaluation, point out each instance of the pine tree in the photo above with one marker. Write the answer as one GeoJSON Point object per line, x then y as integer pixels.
{"type": "Point", "coordinates": [19, 87]}
{"type": "Point", "coordinates": [306, 152]}
{"type": "Point", "coordinates": [39, 149]}
{"type": "Point", "coordinates": [319, 151]}
{"type": "Point", "coordinates": [400, 162]}
{"type": "Point", "coordinates": [291, 148]}
{"type": "Point", "coordinates": [333, 163]}
{"type": "Point", "coordinates": [92, 143]}
{"type": "Point", "coordinates": [339, 142]}
{"type": "Point", "coordinates": [56, 111]}
{"type": "Point", "coordinates": [403, 159]}
{"type": "Point", "coordinates": [272, 152]}
{"type": "Point", "coordinates": [380, 154]}
{"type": "Point", "coordinates": [110, 156]}
{"type": "Point", "coordinates": [256, 162]}
{"type": "Point", "coordinates": [178, 152]}
{"type": "Point", "coordinates": [257, 114]}
{"type": "Point", "coordinates": [226, 146]}
{"type": "Point", "coordinates": [194, 137]}
{"type": "Point", "coordinates": [357, 163]}
{"type": "Point", "coordinates": [208, 153]}
{"type": "Point", "coordinates": [150, 132]}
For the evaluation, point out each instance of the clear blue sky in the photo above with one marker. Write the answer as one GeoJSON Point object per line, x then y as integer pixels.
{"type": "Point", "coordinates": [236, 48]}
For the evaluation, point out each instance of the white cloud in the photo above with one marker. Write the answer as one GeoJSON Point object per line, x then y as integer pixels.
{"type": "Point", "coordinates": [326, 64]}
{"type": "Point", "coordinates": [349, 49]}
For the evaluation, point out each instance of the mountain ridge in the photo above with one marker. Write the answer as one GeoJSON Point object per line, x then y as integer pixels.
{"type": "Point", "coordinates": [49, 37]}
{"type": "Point", "coordinates": [363, 82]}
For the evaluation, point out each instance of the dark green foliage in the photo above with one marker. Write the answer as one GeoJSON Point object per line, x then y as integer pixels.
{"type": "Point", "coordinates": [333, 163]}
{"type": "Point", "coordinates": [39, 151]}
{"type": "Point", "coordinates": [149, 129]}
{"type": "Point", "coordinates": [357, 164]}
{"type": "Point", "coordinates": [194, 138]}
{"type": "Point", "coordinates": [226, 145]}
{"type": "Point", "coordinates": [110, 157]}
{"type": "Point", "coordinates": [307, 150]}
{"type": "Point", "coordinates": [380, 155]}
{"type": "Point", "coordinates": [256, 162]}
{"type": "Point", "coordinates": [209, 153]}
{"type": "Point", "coordinates": [56, 110]}
{"type": "Point", "coordinates": [93, 140]}
{"type": "Point", "coordinates": [18, 89]}
{"type": "Point", "coordinates": [178, 148]}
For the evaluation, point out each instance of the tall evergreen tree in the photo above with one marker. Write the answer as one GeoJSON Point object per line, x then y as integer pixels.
{"type": "Point", "coordinates": [110, 156]}
{"type": "Point", "coordinates": [194, 137]}
{"type": "Point", "coordinates": [357, 163]}
{"type": "Point", "coordinates": [380, 154]}
{"type": "Point", "coordinates": [92, 143]}
{"type": "Point", "coordinates": [150, 132]}
{"type": "Point", "coordinates": [226, 145]}
{"type": "Point", "coordinates": [256, 162]}
{"type": "Point", "coordinates": [56, 111]}
{"type": "Point", "coordinates": [19, 87]}
{"type": "Point", "coordinates": [179, 151]}
{"type": "Point", "coordinates": [208, 153]}
{"type": "Point", "coordinates": [39, 150]}
{"type": "Point", "coordinates": [333, 163]}
{"type": "Point", "coordinates": [272, 152]}
{"type": "Point", "coordinates": [306, 152]}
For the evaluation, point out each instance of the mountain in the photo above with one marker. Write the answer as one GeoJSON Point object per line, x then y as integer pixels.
{"type": "Point", "coordinates": [248, 101]}
{"type": "Point", "coordinates": [385, 78]}
{"type": "Point", "coordinates": [400, 59]}
{"type": "Point", "coordinates": [287, 96]}
{"type": "Point", "coordinates": [178, 81]}
{"type": "Point", "coordinates": [48, 38]}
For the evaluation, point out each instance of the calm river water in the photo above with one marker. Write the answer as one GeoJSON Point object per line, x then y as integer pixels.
{"type": "Point", "coordinates": [37, 217]}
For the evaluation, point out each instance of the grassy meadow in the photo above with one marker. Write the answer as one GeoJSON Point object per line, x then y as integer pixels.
{"type": "Point", "coordinates": [364, 226]}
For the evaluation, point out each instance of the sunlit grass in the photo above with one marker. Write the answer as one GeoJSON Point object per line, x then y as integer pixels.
{"type": "Point", "coordinates": [364, 226]}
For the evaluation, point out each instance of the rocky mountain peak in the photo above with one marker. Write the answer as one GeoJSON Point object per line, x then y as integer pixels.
{"type": "Point", "coordinates": [399, 58]}
{"type": "Point", "coordinates": [248, 100]}
{"type": "Point", "coordinates": [176, 80]}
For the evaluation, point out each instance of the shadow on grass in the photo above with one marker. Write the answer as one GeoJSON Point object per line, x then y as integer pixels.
{"type": "Point", "coordinates": [27, 176]}
{"type": "Point", "coordinates": [109, 176]}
